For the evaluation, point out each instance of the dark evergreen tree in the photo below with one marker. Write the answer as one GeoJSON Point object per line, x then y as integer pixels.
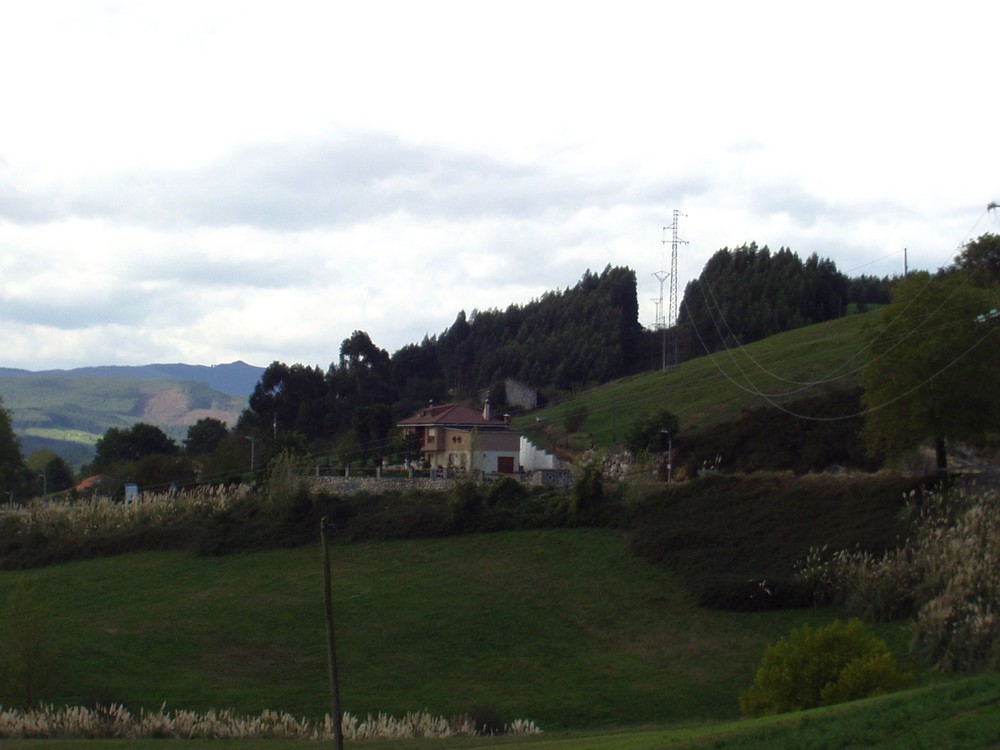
{"type": "Point", "coordinates": [746, 294]}
{"type": "Point", "coordinates": [587, 334]}
{"type": "Point", "coordinates": [287, 398]}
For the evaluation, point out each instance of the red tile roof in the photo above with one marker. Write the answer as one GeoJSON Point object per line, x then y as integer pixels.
{"type": "Point", "coordinates": [451, 415]}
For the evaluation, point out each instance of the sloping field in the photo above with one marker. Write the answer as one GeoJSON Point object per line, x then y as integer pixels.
{"type": "Point", "coordinates": [561, 627]}
{"type": "Point", "coordinates": [716, 388]}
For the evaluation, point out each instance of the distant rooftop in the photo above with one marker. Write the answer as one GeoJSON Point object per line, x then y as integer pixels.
{"type": "Point", "coordinates": [451, 415]}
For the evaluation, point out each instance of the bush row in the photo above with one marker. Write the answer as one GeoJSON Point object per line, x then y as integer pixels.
{"type": "Point", "coordinates": [945, 571]}
{"type": "Point", "coordinates": [283, 514]}
{"type": "Point", "coordinates": [735, 539]}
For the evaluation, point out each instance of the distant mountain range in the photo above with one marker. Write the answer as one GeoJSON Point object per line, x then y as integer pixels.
{"type": "Point", "coordinates": [237, 378]}
{"type": "Point", "coordinates": [67, 411]}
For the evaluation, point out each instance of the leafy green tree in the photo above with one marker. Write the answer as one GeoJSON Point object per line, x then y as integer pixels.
{"type": "Point", "coordinates": [981, 259]}
{"type": "Point", "coordinates": [160, 471]}
{"type": "Point", "coordinates": [131, 444]}
{"type": "Point", "coordinates": [372, 425]}
{"type": "Point", "coordinates": [931, 373]}
{"type": "Point", "coordinates": [287, 397]}
{"type": "Point", "coordinates": [58, 474]}
{"type": "Point", "coordinates": [204, 436]}
{"type": "Point", "coordinates": [653, 433]}
{"type": "Point", "coordinates": [231, 460]}
{"type": "Point", "coordinates": [12, 468]}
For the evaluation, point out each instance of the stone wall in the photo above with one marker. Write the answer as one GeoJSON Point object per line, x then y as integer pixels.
{"type": "Point", "coordinates": [340, 485]}
{"type": "Point", "coordinates": [375, 485]}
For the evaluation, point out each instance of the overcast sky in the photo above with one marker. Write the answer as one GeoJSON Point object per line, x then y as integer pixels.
{"type": "Point", "coordinates": [208, 181]}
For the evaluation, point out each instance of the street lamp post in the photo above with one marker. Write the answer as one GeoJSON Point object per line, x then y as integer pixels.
{"type": "Point", "coordinates": [670, 453]}
{"type": "Point", "coordinates": [251, 438]}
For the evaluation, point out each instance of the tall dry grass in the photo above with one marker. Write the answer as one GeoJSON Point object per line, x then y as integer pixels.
{"type": "Point", "coordinates": [119, 723]}
{"type": "Point", "coordinates": [103, 515]}
{"type": "Point", "coordinates": [945, 573]}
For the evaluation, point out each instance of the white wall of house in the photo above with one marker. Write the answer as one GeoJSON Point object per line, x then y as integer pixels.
{"type": "Point", "coordinates": [492, 461]}
{"type": "Point", "coordinates": [533, 457]}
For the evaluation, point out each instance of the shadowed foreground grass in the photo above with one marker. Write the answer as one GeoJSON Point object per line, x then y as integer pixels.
{"type": "Point", "coordinates": [564, 628]}
{"type": "Point", "coordinates": [958, 714]}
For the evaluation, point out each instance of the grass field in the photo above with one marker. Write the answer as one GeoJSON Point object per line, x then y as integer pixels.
{"type": "Point", "coordinates": [70, 436]}
{"type": "Point", "coordinates": [561, 627]}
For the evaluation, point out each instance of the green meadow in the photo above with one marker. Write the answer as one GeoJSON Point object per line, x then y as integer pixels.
{"type": "Point", "coordinates": [563, 627]}
{"type": "Point", "coordinates": [707, 390]}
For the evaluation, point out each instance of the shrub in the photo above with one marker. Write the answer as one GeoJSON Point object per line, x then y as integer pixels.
{"type": "Point", "coordinates": [506, 491]}
{"type": "Point", "coordinates": [467, 506]}
{"type": "Point", "coordinates": [945, 572]}
{"type": "Point", "coordinates": [588, 491]}
{"type": "Point", "coordinates": [575, 416]}
{"type": "Point", "coordinates": [652, 433]}
{"type": "Point", "coordinates": [817, 667]}
{"type": "Point", "coordinates": [486, 721]}
{"type": "Point", "coordinates": [724, 534]}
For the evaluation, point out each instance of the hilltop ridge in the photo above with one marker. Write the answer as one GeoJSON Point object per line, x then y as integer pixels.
{"type": "Point", "coordinates": [66, 411]}
{"type": "Point", "coordinates": [235, 378]}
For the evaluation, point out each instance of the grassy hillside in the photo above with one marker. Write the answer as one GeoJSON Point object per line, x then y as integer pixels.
{"type": "Point", "coordinates": [562, 627]}
{"type": "Point", "coordinates": [708, 390]}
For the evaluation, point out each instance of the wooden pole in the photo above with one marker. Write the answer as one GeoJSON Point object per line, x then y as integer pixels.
{"type": "Point", "coordinates": [331, 653]}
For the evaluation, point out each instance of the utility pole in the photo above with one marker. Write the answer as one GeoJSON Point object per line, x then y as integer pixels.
{"type": "Point", "coordinates": [672, 314]}
{"type": "Point", "coordinates": [666, 316]}
{"type": "Point", "coordinates": [331, 653]}
{"type": "Point", "coordinates": [251, 438]}
{"type": "Point", "coordinates": [670, 454]}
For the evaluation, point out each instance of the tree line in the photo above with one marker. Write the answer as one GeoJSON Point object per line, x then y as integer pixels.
{"type": "Point", "coordinates": [584, 335]}
{"type": "Point", "coordinates": [749, 293]}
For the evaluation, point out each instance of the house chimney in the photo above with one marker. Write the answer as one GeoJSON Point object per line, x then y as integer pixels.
{"type": "Point", "coordinates": [486, 411]}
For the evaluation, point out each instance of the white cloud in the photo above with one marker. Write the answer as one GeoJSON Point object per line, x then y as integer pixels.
{"type": "Point", "coordinates": [217, 180]}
